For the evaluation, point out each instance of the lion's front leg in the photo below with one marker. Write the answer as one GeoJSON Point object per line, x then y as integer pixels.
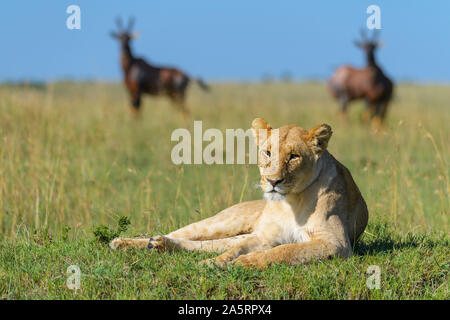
{"type": "Point", "coordinates": [236, 220]}
{"type": "Point", "coordinates": [125, 243]}
{"type": "Point", "coordinates": [163, 243]}
{"type": "Point", "coordinates": [293, 254]}
{"type": "Point", "coordinates": [159, 243]}
{"type": "Point", "coordinates": [167, 243]}
{"type": "Point", "coordinates": [250, 244]}
{"type": "Point", "coordinates": [256, 259]}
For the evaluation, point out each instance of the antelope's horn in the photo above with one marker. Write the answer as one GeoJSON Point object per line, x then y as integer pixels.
{"type": "Point", "coordinates": [375, 35]}
{"type": "Point", "coordinates": [363, 35]}
{"type": "Point", "coordinates": [130, 24]}
{"type": "Point", "coordinates": [119, 23]}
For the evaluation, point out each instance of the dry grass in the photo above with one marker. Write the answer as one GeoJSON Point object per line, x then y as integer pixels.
{"type": "Point", "coordinates": [72, 158]}
{"type": "Point", "coordinates": [71, 155]}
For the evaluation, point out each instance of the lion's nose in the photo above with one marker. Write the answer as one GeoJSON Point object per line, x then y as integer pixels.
{"type": "Point", "coordinates": [274, 182]}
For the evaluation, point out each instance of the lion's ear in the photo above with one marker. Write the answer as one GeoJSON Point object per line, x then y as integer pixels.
{"type": "Point", "coordinates": [318, 137]}
{"type": "Point", "coordinates": [258, 127]}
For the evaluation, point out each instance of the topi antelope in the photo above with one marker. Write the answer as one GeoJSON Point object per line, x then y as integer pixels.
{"type": "Point", "coordinates": [141, 77]}
{"type": "Point", "coordinates": [369, 83]}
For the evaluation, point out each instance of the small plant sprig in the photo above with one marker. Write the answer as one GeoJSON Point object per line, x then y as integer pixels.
{"type": "Point", "coordinates": [104, 234]}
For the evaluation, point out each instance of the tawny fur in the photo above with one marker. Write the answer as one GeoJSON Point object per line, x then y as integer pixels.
{"type": "Point", "coordinates": [313, 209]}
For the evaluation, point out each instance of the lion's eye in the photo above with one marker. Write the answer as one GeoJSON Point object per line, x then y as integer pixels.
{"type": "Point", "coordinates": [267, 153]}
{"type": "Point", "coordinates": [293, 156]}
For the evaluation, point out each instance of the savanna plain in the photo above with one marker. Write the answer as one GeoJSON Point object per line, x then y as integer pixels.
{"type": "Point", "coordinates": [77, 169]}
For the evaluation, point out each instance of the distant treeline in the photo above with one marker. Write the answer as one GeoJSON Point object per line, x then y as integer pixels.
{"type": "Point", "coordinates": [39, 85]}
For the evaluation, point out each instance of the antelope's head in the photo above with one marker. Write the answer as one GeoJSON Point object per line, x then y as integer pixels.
{"type": "Point", "coordinates": [124, 35]}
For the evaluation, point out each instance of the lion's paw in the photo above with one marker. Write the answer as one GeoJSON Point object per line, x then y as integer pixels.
{"type": "Point", "coordinates": [117, 244]}
{"type": "Point", "coordinates": [207, 263]}
{"type": "Point", "coordinates": [251, 260]}
{"type": "Point", "coordinates": [214, 262]}
{"type": "Point", "coordinates": [159, 243]}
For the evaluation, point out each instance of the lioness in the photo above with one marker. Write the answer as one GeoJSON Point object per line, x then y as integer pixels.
{"type": "Point", "coordinates": [312, 208]}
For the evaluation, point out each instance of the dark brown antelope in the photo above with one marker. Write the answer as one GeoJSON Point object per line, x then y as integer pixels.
{"type": "Point", "coordinates": [141, 77]}
{"type": "Point", "coordinates": [370, 83]}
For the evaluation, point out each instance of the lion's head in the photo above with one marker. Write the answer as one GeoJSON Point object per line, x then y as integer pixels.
{"type": "Point", "coordinates": [295, 165]}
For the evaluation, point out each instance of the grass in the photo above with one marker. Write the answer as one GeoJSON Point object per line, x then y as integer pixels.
{"type": "Point", "coordinates": [412, 267]}
{"type": "Point", "coordinates": [71, 159]}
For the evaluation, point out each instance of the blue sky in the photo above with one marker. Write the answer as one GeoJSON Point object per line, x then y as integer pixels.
{"type": "Point", "coordinates": [223, 40]}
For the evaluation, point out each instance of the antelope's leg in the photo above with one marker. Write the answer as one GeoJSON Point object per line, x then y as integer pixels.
{"type": "Point", "coordinates": [136, 102]}
{"type": "Point", "coordinates": [369, 112]}
{"type": "Point", "coordinates": [343, 101]}
{"type": "Point", "coordinates": [178, 99]}
{"type": "Point", "coordinates": [383, 110]}
{"type": "Point", "coordinates": [373, 110]}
